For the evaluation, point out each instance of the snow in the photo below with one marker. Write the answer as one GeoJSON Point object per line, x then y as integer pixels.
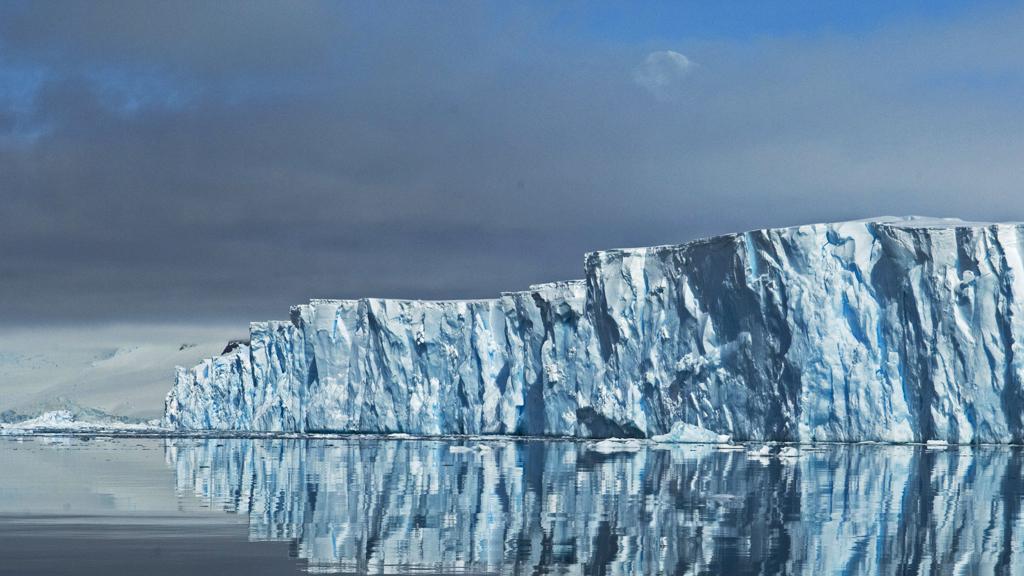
{"type": "Point", "coordinates": [67, 421]}
{"type": "Point", "coordinates": [120, 369]}
{"type": "Point", "coordinates": [884, 330]}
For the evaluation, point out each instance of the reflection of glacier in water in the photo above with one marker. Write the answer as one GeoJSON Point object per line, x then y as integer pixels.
{"type": "Point", "coordinates": [572, 507]}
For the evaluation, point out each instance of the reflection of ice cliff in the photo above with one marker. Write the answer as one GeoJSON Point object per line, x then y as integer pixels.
{"type": "Point", "coordinates": [563, 507]}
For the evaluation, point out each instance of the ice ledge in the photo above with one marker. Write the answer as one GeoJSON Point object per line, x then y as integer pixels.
{"type": "Point", "coordinates": [898, 222]}
{"type": "Point", "coordinates": [888, 329]}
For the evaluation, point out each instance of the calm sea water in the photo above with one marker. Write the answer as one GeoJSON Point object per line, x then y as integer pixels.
{"type": "Point", "coordinates": [240, 506]}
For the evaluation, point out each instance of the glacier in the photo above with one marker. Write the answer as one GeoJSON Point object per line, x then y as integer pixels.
{"type": "Point", "coordinates": [889, 329]}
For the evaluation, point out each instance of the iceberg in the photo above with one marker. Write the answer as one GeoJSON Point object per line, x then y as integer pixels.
{"type": "Point", "coordinates": [888, 330]}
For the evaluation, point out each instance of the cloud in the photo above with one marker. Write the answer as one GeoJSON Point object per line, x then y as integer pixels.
{"type": "Point", "coordinates": [188, 167]}
{"type": "Point", "coordinates": [662, 71]}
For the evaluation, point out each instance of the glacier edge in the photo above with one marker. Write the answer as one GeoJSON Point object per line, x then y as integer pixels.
{"type": "Point", "coordinates": [890, 329]}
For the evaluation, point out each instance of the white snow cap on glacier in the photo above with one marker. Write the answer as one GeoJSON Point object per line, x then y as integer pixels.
{"type": "Point", "coordinates": [898, 329]}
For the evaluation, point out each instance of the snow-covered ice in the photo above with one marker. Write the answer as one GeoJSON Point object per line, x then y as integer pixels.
{"type": "Point", "coordinates": [68, 421]}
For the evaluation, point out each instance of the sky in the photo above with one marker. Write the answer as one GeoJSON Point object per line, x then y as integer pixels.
{"type": "Point", "coordinates": [217, 162]}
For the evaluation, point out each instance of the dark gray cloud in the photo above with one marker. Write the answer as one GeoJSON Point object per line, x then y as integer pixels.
{"type": "Point", "coordinates": [221, 161]}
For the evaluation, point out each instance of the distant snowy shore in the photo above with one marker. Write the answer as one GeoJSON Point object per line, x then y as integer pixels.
{"type": "Point", "coordinates": [65, 421]}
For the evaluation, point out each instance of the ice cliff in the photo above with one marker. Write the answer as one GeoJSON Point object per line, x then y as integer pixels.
{"type": "Point", "coordinates": [893, 329]}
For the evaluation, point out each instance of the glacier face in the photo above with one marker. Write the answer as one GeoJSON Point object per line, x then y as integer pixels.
{"type": "Point", "coordinates": [892, 329]}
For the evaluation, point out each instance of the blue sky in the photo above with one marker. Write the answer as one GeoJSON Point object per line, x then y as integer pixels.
{"type": "Point", "coordinates": [222, 161]}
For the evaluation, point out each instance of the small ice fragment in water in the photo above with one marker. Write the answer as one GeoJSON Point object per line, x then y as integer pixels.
{"type": "Point", "coordinates": [762, 452]}
{"type": "Point", "coordinates": [612, 445]}
{"type": "Point", "coordinates": [789, 452]}
{"type": "Point", "coordinates": [683, 432]}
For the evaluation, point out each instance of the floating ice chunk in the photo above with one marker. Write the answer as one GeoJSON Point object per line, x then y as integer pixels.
{"type": "Point", "coordinates": [763, 452]}
{"type": "Point", "coordinates": [612, 445]}
{"type": "Point", "coordinates": [728, 447]}
{"type": "Point", "coordinates": [683, 432]}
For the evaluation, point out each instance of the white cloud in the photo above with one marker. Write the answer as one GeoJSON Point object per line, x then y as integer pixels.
{"type": "Point", "coordinates": [661, 71]}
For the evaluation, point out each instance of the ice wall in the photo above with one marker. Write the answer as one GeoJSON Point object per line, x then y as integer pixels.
{"type": "Point", "coordinates": [891, 329]}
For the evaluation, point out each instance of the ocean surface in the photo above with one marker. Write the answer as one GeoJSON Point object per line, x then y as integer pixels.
{"type": "Point", "coordinates": [101, 505]}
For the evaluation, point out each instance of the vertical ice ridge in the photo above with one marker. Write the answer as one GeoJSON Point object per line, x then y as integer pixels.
{"type": "Point", "coordinates": [890, 330]}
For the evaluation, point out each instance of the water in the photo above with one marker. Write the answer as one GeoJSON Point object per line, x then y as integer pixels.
{"type": "Point", "coordinates": [242, 506]}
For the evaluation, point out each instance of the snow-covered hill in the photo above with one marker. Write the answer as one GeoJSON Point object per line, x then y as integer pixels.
{"type": "Point", "coordinates": [118, 369]}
